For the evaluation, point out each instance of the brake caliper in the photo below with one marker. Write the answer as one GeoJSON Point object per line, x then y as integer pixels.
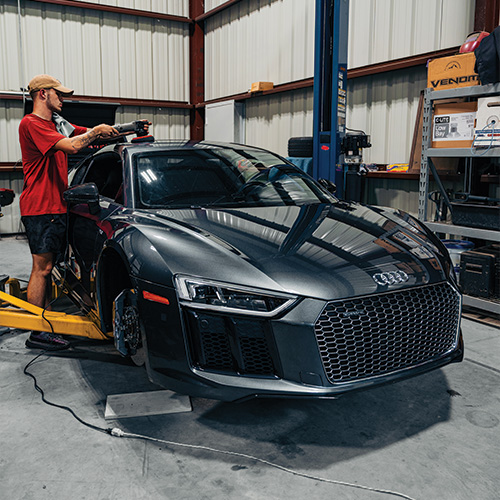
{"type": "Point", "coordinates": [126, 327]}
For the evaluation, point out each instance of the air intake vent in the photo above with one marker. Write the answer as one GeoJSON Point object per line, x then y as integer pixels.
{"type": "Point", "coordinates": [240, 346]}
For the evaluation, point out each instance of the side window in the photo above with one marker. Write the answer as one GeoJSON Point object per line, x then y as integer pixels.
{"type": "Point", "coordinates": [77, 172]}
{"type": "Point", "coordinates": [106, 173]}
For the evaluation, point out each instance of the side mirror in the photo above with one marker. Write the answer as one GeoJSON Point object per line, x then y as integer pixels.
{"type": "Point", "coordinates": [328, 185]}
{"type": "Point", "coordinates": [83, 193]}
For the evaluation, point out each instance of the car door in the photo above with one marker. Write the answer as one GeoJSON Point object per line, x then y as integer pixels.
{"type": "Point", "coordinates": [90, 228]}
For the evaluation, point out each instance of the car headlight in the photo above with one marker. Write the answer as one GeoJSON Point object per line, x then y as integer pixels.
{"type": "Point", "coordinates": [210, 295]}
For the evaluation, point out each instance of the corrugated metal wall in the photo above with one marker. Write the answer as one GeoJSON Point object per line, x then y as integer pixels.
{"type": "Point", "coordinates": [96, 53]}
{"type": "Point", "coordinates": [273, 40]}
{"type": "Point", "coordinates": [258, 40]}
{"type": "Point", "coordinates": [382, 30]}
{"type": "Point", "coordinates": [211, 4]}
{"type": "Point", "coordinates": [402, 193]}
{"type": "Point", "coordinates": [167, 124]}
{"type": "Point", "coordinates": [104, 54]}
{"type": "Point", "coordinates": [384, 106]}
{"type": "Point", "coordinates": [11, 113]}
{"type": "Point", "coordinates": [271, 121]}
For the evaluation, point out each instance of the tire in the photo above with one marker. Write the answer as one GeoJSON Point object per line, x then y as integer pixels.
{"type": "Point", "coordinates": [300, 147]}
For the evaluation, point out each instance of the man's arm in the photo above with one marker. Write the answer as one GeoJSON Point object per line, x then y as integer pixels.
{"type": "Point", "coordinates": [72, 145]}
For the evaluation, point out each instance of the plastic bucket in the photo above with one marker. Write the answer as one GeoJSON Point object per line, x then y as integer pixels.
{"type": "Point", "coordinates": [455, 248]}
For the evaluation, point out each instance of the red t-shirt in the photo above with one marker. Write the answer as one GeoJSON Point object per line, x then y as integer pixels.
{"type": "Point", "coordinates": [45, 169]}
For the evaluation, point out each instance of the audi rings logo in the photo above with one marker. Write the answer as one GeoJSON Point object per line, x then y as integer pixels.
{"type": "Point", "coordinates": [390, 278]}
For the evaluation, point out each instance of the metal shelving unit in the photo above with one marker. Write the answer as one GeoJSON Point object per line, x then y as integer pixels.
{"type": "Point", "coordinates": [427, 166]}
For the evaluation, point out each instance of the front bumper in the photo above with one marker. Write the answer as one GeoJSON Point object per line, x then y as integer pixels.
{"type": "Point", "coordinates": [317, 349]}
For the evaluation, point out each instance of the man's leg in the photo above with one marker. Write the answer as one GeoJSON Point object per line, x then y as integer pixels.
{"type": "Point", "coordinates": [46, 236]}
{"type": "Point", "coordinates": [39, 286]}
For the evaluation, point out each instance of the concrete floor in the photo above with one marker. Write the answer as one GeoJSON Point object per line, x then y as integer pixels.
{"type": "Point", "coordinates": [432, 437]}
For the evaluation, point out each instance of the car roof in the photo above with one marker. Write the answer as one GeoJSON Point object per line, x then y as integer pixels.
{"type": "Point", "coordinates": [166, 145]}
{"type": "Point", "coordinates": [176, 144]}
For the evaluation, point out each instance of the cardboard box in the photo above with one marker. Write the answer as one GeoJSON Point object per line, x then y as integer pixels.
{"type": "Point", "coordinates": [443, 165]}
{"type": "Point", "coordinates": [487, 133]}
{"type": "Point", "coordinates": [453, 125]}
{"type": "Point", "coordinates": [452, 72]}
{"type": "Point", "coordinates": [261, 86]}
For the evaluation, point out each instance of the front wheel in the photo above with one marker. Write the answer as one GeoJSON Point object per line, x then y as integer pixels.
{"type": "Point", "coordinates": [127, 327]}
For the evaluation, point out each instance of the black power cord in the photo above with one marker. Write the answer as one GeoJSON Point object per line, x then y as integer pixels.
{"type": "Point", "coordinates": [50, 403]}
{"type": "Point", "coordinates": [117, 432]}
{"type": "Point", "coordinates": [45, 351]}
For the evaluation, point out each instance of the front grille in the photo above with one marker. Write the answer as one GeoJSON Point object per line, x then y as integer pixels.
{"type": "Point", "coordinates": [237, 345]}
{"type": "Point", "coordinates": [375, 335]}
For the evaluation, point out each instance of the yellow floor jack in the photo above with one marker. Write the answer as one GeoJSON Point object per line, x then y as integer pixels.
{"type": "Point", "coordinates": [16, 312]}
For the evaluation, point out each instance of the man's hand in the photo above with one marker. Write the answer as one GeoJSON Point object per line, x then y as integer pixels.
{"type": "Point", "coordinates": [147, 123]}
{"type": "Point", "coordinates": [105, 131]}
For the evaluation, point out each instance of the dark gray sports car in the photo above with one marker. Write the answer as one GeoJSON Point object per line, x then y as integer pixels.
{"type": "Point", "coordinates": [235, 274]}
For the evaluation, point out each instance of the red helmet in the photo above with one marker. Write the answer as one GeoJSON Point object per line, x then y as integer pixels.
{"type": "Point", "coordinates": [472, 41]}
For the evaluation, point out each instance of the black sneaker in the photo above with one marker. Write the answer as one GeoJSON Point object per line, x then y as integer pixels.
{"type": "Point", "coordinates": [46, 341]}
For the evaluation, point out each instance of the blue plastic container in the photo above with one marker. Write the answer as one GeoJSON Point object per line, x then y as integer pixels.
{"type": "Point", "coordinates": [455, 248]}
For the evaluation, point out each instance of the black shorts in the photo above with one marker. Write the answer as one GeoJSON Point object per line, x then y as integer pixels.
{"type": "Point", "coordinates": [46, 233]}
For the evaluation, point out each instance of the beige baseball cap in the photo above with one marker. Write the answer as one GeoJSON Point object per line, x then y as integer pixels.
{"type": "Point", "coordinates": [48, 82]}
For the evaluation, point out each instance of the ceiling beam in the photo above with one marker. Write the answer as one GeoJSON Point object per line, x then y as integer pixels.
{"type": "Point", "coordinates": [117, 10]}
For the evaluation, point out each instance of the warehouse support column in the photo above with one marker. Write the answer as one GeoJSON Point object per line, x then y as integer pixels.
{"type": "Point", "coordinates": [330, 85]}
{"type": "Point", "coordinates": [197, 71]}
{"type": "Point", "coordinates": [486, 15]}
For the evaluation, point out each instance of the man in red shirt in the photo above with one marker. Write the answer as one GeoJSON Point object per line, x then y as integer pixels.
{"type": "Point", "coordinates": [43, 210]}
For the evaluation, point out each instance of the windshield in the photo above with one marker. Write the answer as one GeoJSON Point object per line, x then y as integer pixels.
{"type": "Point", "coordinates": [222, 178]}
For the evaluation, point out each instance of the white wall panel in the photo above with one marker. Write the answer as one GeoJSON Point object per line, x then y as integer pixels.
{"type": "Point", "coordinates": [382, 30]}
{"type": "Point", "coordinates": [11, 113]}
{"type": "Point", "coordinates": [96, 53]}
{"type": "Point", "coordinates": [457, 21]}
{"type": "Point", "coordinates": [258, 40]}
{"type": "Point", "coordinates": [272, 120]}
{"type": "Point", "coordinates": [273, 40]}
{"type": "Point", "coordinates": [384, 106]}
{"type": "Point", "coordinates": [212, 4]}
{"type": "Point", "coordinates": [10, 64]}
{"type": "Point", "coordinates": [167, 123]}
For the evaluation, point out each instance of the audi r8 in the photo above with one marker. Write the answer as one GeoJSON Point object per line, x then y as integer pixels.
{"type": "Point", "coordinates": [234, 274]}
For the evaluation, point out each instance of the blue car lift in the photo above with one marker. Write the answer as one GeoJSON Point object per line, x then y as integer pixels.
{"type": "Point", "coordinates": [330, 89]}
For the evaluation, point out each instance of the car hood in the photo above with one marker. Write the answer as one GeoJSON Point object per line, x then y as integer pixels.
{"type": "Point", "coordinates": [323, 251]}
